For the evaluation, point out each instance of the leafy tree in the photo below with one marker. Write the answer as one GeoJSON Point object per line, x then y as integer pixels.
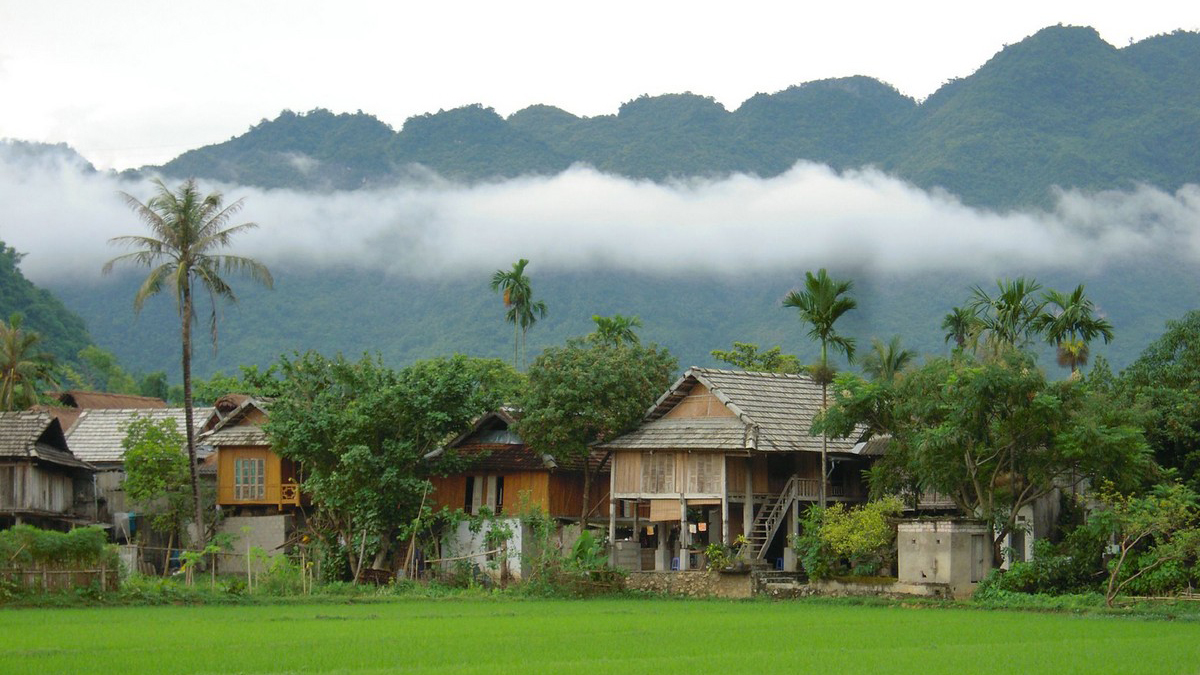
{"type": "Point", "coordinates": [886, 361]}
{"type": "Point", "coordinates": [250, 380]}
{"type": "Point", "coordinates": [99, 370]}
{"type": "Point", "coordinates": [1165, 381]}
{"type": "Point", "coordinates": [522, 310]}
{"type": "Point", "coordinates": [1164, 521]}
{"type": "Point", "coordinates": [617, 329]}
{"type": "Point", "coordinates": [362, 431]}
{"type": "Point", "coordinates": [822, 302]}
{"type": "Point", "coordinates": [187, 231]}
{"type": "Point", "coordinates": [993, 435]}
{"type": "Point", "coordinates": [590, 391]}
{"type": "Point", "coordinates": [22, 369]}
{"type": "Point", "coordinates": [1069, 322]}
{"type": "Point", "coordinates": [156, 472]}
{"type": "Point", "coordinates": [747, 356]}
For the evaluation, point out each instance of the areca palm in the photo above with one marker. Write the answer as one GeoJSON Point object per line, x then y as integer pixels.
{"type": "Point", "coordinates": [182, 251]}
{"type": "Point", "coordinates": [522, 310]}
{"type": "Point", "coordinates": [822, 302]}
{"type": "Point", "coordinates": [21, 368]}
{"type": "Point", "coordinates": [1070, 324]}
{"type": "Point", "coordinates": [1011, 317]}
{"type": "Point", "coordinates": [960, 324]}
{"type": "Point", "coordinates": [885, 361]}
{"type": "Point", "coordinates": [617, 329]}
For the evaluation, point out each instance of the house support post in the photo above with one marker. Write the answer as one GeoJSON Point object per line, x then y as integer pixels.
{"type": "Point", "coordinates": [683, 535]}
{"type": "Point", "coordinates": [748, 508]}
{"type": "Point", "coordinates": [662, 556]}
{"type": "Point", "coordinates": [728, 540]}
{"type": "Point", "coordinates": [793, 529]}
{"type": "Point", "coordinates": [612, 532]}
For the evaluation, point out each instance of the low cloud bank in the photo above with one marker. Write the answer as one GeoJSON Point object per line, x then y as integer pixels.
{"type": "Point", "coordinates": [62, 216]}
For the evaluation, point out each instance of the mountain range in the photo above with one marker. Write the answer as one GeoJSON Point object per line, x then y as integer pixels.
{"type": "Point", "coordinates": [1061, 109]}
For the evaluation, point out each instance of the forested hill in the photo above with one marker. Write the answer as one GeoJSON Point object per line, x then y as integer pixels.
{"type": "Point", "coordinates": [1060, 108]}
{"type": "Point", "coordinates": [63, 332]}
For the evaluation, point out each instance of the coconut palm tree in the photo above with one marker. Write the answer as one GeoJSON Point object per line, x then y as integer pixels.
{"type": "Point", "coordinates": [1070, 323]}
{"type": "Point", "coordinates": [20, 367]}
{"type": "Point", "coordinates": [617, 329]}
{"type": "Point", "coordinates": [822, 302]}
{"type": "Point", "coordinates": [522, 310]}
{"type": "Point", "coordinates": [182, 251]}
{"type": "Point", "coordinates": [885, 361]}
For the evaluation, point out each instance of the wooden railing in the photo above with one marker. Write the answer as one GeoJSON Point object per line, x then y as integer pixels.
{"type": "Point", "coordinates": [281, 494]}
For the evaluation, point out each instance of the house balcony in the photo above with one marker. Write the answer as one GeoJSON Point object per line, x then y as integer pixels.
{"type": "Point", "coordinates": [273, 494]}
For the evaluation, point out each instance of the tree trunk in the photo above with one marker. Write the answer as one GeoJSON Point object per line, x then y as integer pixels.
{"type": "Point", "coordinates": [824, 439]}
{"type": "Point", "coordinates": [190, 425]}
{"type": "Point", "coordinates": [587, 489]}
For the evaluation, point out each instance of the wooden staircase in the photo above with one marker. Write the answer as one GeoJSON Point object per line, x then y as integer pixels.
{"type": "Point", "coordinates": [770, 517]}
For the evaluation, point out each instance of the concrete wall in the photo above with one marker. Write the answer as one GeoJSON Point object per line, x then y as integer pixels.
{"type": "Point", "coordinates": [692, 584]}
{"type": "Point", "coordinates": [464, 542]}
{"type": "Point", "coordinates": [266, 532]}
{"type": "Point", "coordinates": [953, 553]}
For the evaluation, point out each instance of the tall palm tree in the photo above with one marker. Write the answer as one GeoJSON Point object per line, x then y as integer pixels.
{"type": "Point", "coordinates": [1070, 323]}
{"type": "Point", "coordinates": [617, 329]}
{"type": "Point", "coordinates": [822, 302]}
{"type": "Point", "coordinates": [885, 361]}
{"type": "Point", "coordinates": [960, 324]}
{"type": "Point", "coordinates": [20, 368]}
{"type": "Point", "coordinates": [522, 310]}
{"type": "Point", "coordinates": [187, 231]}
{"type": "Point", "coordinates": [1010, 318]}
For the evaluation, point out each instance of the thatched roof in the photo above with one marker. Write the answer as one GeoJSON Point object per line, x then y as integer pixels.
{"type": "Point", "coordinates": [36, 435]}
{"type": "Point", "coordinates": [102, 400]}
{"type": "Point", "coordinates": [98, 434]}
{"type": "Point", "coordinates": [771, 412]}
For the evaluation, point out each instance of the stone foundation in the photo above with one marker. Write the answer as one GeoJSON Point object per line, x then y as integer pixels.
{"type": "Point", "coordinates": [697, 584]}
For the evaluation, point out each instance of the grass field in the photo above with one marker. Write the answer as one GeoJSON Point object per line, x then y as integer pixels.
{"type": "Point", "coordinates": [597, 636]}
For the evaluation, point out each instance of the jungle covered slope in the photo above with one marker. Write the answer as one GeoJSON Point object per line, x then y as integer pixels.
{"type": "Point", "coordinates": [1060, 108]}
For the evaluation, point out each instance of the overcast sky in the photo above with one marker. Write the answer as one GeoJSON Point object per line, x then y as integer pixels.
{"type": "Point", "coordinates": [129, 83]}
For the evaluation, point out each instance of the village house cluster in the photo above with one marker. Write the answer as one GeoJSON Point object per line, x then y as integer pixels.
{"type": "Point", "coordinates": [723, 456]}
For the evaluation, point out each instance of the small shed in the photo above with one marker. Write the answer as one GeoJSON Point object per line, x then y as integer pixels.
{"type": "Point", "coordinates": [955, 554]}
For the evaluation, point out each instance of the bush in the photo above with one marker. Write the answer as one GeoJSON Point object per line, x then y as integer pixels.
{"type": "Point", "coordinates": [839, 540]}
{"type": "Point", "coordinates": [25, 546]}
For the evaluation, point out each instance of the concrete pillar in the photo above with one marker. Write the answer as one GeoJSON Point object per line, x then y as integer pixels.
{"type": "Point", "coordinates": [662, 555]}
{"type": "Point", "coordinates": [684, 540]}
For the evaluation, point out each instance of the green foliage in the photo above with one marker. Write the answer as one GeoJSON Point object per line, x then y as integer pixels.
{"type": "Point", "coordinates": [1154, 534]}
{"type": "Point", "coordinates": [1165, 382]}
{"type": "Point", "coordinates": [156, 472]}
{"type": "Point", "coordinates": [616, 329]}
{"type": "Point", "coordinates": [590, 391]}
{"type": "Point", "coordinates": [251, 380]}
{"type": "Point", "coordinates": [362, 431]}
{"type": "Point", "coordinates": [25, 546]}
{"type": "Point", "coordinates": [63, 332]}
{"type": "Point", "coordinates": [839, 540]}
{"type": "Point", "coordinates": [993, 435]}
{"type": "Point", "coordinates": [23, 372]}
{"type": "Point", "coordinates": [747, 356]}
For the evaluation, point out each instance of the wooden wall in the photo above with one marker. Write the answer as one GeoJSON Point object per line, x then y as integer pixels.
{"type": "Point", "coordinates": [26, 487]}
{"type": "Point", "coordinates": [272, 468]}
{"type": "Point", "coordinates": [700, 402]}
{"type": "Point", "coordinates": [451, 491]}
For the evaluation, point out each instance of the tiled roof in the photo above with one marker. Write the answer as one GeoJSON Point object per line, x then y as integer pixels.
{"type": "Point", "coordinates": [97, 435]}
{"type": "Point", "coordinates": [30, 434]}
{"type": "Point", "coordinates": [104, 400]}
{"type": "Point", "coordinates": [248, 434]}
{"type": "Point", "coordinates": [773, 410]}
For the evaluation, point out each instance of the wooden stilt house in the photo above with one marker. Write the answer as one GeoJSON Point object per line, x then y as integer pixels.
{"type": "Point", "coordinates": [724, 454]}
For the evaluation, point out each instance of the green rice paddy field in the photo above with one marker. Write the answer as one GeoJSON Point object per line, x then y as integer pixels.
{"type": "Point", "coordinates": [597, 636]}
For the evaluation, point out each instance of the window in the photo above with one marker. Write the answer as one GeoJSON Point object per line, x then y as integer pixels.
{"type": "Point", "coordinates": [658, 472]}
{"type": "Point", "coordinates": [249, 479]}
{"type": "Point", "coordinates": [469, 496]}
{"type": "Point", "coordinates": [704, 472]}
{"type": "Point", "coordinates": [499, 495]}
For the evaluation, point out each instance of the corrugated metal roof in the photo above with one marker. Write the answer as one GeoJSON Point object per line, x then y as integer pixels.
{"type": "Point", "coordinates": [774, 411]}
{"type": "Point", "coordinates": [32, 434]}
{"type": "Point", "coordinates": [97, 435]}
